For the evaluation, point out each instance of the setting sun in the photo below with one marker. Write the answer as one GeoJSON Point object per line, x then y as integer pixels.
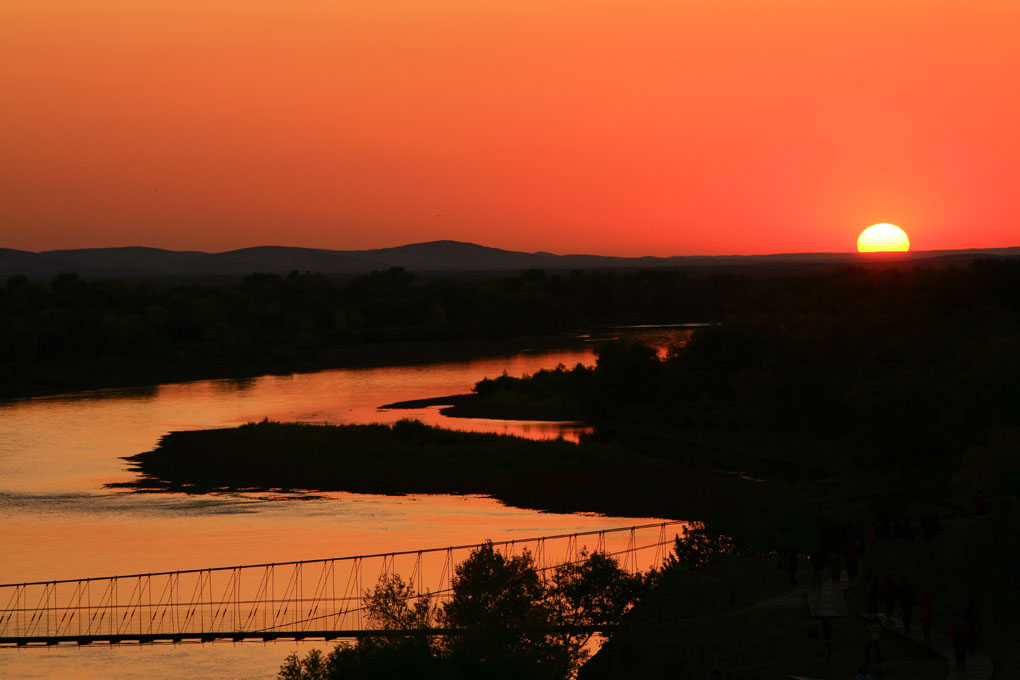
{"type": "Point", "coordinates": [882, 238]}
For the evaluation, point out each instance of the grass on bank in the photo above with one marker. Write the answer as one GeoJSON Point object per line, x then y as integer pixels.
{"type": "Point", "coordinates": [412, 458]}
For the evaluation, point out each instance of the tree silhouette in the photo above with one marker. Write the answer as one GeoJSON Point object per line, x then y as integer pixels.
{"type": "Point", "coordinates": [504, 621]}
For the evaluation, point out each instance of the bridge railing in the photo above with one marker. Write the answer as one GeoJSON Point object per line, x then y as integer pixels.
{"type": "Point", "coordinates": [324, 597]}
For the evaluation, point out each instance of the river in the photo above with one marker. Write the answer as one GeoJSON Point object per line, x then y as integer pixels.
{"type": "Point", "coordinates": [59, 521]}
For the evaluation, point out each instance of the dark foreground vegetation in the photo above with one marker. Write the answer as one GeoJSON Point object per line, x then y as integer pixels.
{"type": "Point", "coordinates": [502, 621]}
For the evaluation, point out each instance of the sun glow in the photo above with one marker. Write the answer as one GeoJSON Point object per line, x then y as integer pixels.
{"type": "Point", "coordinates": [883, 238]}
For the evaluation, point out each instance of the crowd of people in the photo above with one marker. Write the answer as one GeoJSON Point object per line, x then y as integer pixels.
{"type": "Point", "coordinates": [840, 546]}
{"type": "Point", "coordinates": [839, 549]}
{"type": "Point", "coordinates": [963, 631]}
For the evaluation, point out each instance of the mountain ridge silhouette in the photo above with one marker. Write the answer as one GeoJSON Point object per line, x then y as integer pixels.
{"type": "Point", "coordinates": [440, 256]}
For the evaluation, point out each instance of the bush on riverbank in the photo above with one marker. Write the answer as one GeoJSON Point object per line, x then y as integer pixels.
{"type": "Point", "coordinates": [503, 621]}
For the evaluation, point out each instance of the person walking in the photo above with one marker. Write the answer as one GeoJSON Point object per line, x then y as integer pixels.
{"type": "Point", "coordinates": [874, 641]}
{"type": "Point", "coordinates": [791, 567]}
{"type": "Point", "coordinates": [973, 626]}
{"type": "Point", "coordinates": [873, 590]}
{"type": "Point", "coordinates": [926, 612]}
{"type": "Point", "coordinates": [782, 546]}
{"type": "Point", "coordinates": [889, 590]}
{"type": "Point", "coordinates": [851, 557]}
{"type": "Point", "coordinates": [907, 598]}
{"type": "Point", "coordinates": [979, 501]}
{"type": "Point", "coordinates": [958, 634]}
{"type": "Point", "coordinates": [836, 562]}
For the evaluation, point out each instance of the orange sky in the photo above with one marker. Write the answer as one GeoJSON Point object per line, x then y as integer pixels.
{"type": "Point", "coordinates": [620, 127]}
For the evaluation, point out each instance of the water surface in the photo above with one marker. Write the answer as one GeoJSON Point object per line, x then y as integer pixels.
{"type": "Point", "coordinates": [57, 453]}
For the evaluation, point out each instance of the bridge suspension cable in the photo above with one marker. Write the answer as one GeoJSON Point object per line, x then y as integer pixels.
{"type": "Point", "coordinates": [322, 598]}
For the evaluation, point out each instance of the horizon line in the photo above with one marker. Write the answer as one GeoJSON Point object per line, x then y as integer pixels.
{"type": "Point", "coordinates": [526, 252]}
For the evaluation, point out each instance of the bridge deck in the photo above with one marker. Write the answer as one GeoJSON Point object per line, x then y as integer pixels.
{"type": "Point", "coordinates": [258, 636]}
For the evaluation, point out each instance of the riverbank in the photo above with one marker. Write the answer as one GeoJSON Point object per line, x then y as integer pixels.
{"type": "Point", "coordinates": [495, 408]}
{"type": "Point", "coordinates": [549, 394]}
{"type": "Point", "coordinates": [47, 380]}
{"type": "Point", "coordinates": [411, 458]}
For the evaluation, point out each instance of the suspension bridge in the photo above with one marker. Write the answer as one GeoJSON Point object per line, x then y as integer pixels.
{"type": "Point", "coordinates": [310, 599]}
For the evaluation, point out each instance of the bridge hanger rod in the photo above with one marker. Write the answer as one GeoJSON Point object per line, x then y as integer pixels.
{"type": "Point", "coordinates": [592, 532]}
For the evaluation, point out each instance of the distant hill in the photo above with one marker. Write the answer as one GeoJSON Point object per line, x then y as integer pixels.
{"type": "Point", "coordinates": [434, 256]}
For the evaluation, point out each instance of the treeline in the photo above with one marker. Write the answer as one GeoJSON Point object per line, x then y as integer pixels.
{"type": "Point", "coordinates": [75, 333]}
{"type": "Point", "coordinates": [904, 368]}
